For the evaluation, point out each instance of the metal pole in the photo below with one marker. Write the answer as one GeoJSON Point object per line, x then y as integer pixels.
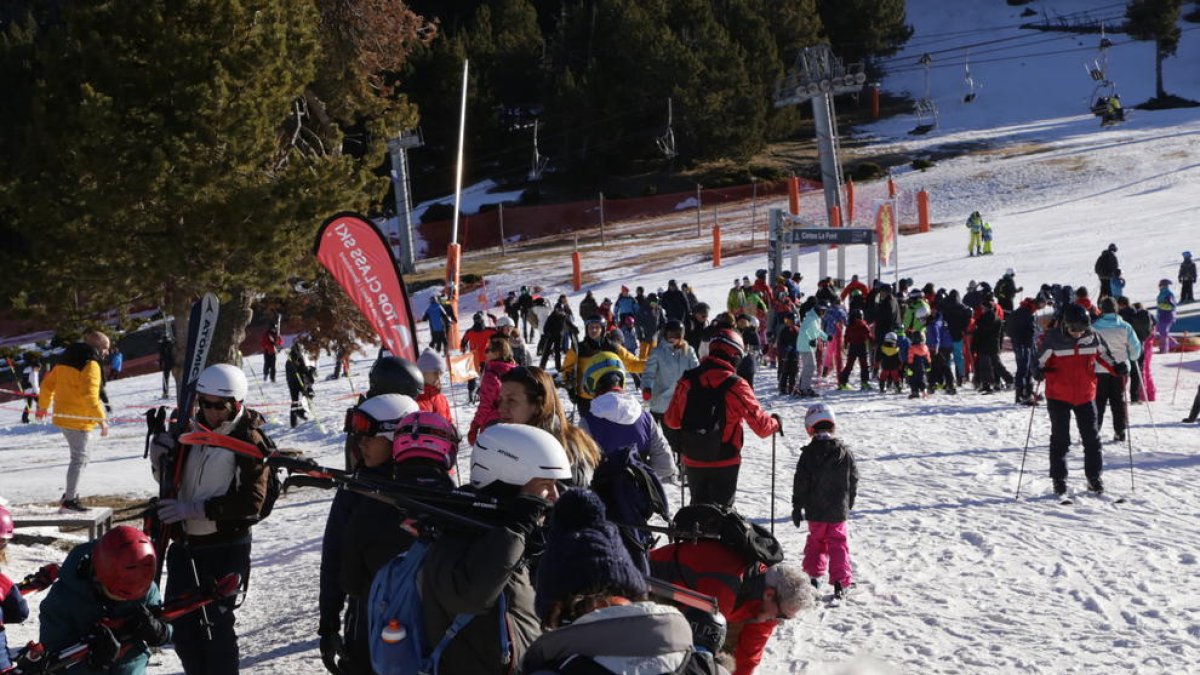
{"type": "Point", "coordinates": [698, 206]}
{"type": "Point", "coordinates": [602, 239]}
{"type": "Point", "coordinates": [753, 208]}
{"type": "Point", "coordinates": [458, 170]}
{"type": "Point", "coordinates": [503, 246]}
{"type": "Point", "coordinates": [1028, 433]}
{"type": "Point", "coordinates": [1178, 372]}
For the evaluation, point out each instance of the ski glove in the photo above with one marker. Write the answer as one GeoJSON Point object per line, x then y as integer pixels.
{"type": "Point", "coordinates": [177, 510]}
{"type": "Point", "coordinates": [1039, 375]}
{"type": "Point", "coordinates": [103, 648]}
{"type": "Point", "coordinates": [161, 445]}
{"type": "Point", "coordinates": [797, 517]}
{"type": "Point", "coordinates": [149, 628]}
{"type": "Point", "coordinates": [333, 650]}
{"type": "Point", "coordinates": [647, 394]}
{"type": "Point", "coordinates": [778, 421]}
{"type": "Point", "coordinates": [526, 513]}
{"type": "Point", "coordinates": [1122, 369]}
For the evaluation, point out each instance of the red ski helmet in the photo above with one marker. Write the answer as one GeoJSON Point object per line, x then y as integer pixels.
{"type": "Point", "coordinates": [426, 435]}
{"type": "Point", "coordinates": [6, 524]}
{"type": "Point", "coordinates": [123, 562]}
{"type": "Point", "coordinates": [727, 344]}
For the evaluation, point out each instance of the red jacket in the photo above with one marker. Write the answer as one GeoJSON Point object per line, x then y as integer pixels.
{"type": "Point", "coordinates": [269, 346]}
{"type": "Point", "coordinates": [433, 400]}
{"type": "Point", "coordinates": [713, 568]}
{"type": "Point", "coordinates": [740, 405]}
{"type": "Point", "coordinates": [850, 288]}
{"type": "Point", "coordinates": [1070, 365]}
{"type": "Point", "coordinates": [858, 333]}
{"type": "Point", "coordinates": [477, 342]}
{"type": "Point", "coordinates": [489, 397]}
{"type": "Point", "coordinates": [1086, 303]}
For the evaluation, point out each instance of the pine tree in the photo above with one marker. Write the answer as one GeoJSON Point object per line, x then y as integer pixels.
{"type": "Point", "coordinates": [860, 29]}
{"type": "Point", "coordinates": [1156, 20]}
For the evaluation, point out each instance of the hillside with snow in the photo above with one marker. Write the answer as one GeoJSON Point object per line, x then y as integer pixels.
{"type": "Point", "coordinates": [954, 574]}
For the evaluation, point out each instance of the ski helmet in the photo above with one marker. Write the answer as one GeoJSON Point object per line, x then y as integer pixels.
{"type": "Point", "coordinates": [379, 415]}
{"type": "Point", "coordinates": [477, 319]}
{"type": "Point", "coordinates": [6, 524]}
{"type": "Point", "coordinates": [1076, 318]}
{"type": "Point", "coordinates": [673, 327]}
{"type": "Point", "coordinates": [504, 322]}
{"type": "Point", "coordinates": [1187, 255]}
{"type": "Point", "coordinates": [426, 435]}
{"type": "Point", "coordinates": [890, 338]}
{"type": "Point", "coordinates": [1010, 272]}
{"type": "Point", "coordinates": [394, 375]}
{"type": "Point", "coordinates": [223, 380]}
{"type": "Point", "coordinates": [816, 414]}
{"type": "Point", "coordinates": [124, 562]}
{"type": "Point", "coordinates": [1164, 282]}
{"type": "Point", "coordinates": [1112, 248]}
{"type": "Point", "coordinates": [600, 371]}
{"type": "Point", "coordinates": [430, 362]}
{"type": "Point", "coordinates": [727, 345]}
{"type": "Point", "coordinates": [700, 308]}
{"type": "Point", "coordinates": [515, 454]}
{"type": "Point", "coordinates": [628, 320]}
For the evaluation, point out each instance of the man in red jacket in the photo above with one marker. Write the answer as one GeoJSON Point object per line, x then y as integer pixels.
{"type": "Point", "coordinates": [1067, 361]}
{"type": "Point", "coordinates": [271, 343]}
{"type": "Point", "coordinates": [708, 407]}
{"type": "Point", "coordinates": [753, 597]}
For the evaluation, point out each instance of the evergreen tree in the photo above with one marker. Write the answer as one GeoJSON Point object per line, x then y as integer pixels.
{"type": "Point", "coordinates": [858, 30]}
{"type": "Point", "coordinates": [1156, 20]}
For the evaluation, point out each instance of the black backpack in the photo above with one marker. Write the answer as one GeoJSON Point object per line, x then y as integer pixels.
{"type": "Point", "coordinates": [713, 521]}
{"type": "Point", "coordinates": [703, 424]}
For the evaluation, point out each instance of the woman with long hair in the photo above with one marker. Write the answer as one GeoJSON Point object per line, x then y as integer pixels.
{"type": "Point", "coordinates": [527, 396]}
{"type": "Point", "coordinates": [499, 361]}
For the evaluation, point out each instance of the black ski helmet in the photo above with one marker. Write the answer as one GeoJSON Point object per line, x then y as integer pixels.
{"type": "Point", "coordinates": [394, 375]}
{"type": "Point", "coordinates": [1075, 317]}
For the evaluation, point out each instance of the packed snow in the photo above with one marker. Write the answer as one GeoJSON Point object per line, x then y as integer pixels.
{"type": "Point", "coordinates": [954, 574]}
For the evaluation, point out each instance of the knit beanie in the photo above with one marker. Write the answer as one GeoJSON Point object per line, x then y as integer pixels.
{"type": "Point", "coordinates": [430, 362]}
{"type": "Point", "coordinates": [584, 554]}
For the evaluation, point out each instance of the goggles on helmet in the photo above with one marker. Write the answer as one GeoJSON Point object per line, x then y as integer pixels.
{"type": "Point", "coordinates": [359, 422]}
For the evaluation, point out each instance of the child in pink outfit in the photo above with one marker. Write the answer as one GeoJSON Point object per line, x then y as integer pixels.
{"type": "Point", "coordinates": [823, 491]}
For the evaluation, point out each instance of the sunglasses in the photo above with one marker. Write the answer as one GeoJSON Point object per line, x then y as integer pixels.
{"type": "Point", "coordinates": [359, 422]}
{"type": "Point", "coordinates": [213, 405]}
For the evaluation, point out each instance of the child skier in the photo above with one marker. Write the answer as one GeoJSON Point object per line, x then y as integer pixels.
{"type": "Point", "coordinates": [889, 363]}
{"type": "Point", "coordinates": [823, 492]}
{"type": "Point", "coordinates": [858, 336]}
{"type": "Point", "coordinates": [918, 361]}
{"type": "Point", "coordinates": [13, 608]}
{"type": "Point", "coordinates": [785, 352]}
{"type": "Point", "coordinates": [1187, 277]}
{"type": "Point", "coordinates": [431, 365]}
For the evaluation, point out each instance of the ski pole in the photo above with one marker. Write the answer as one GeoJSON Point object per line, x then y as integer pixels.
{"type": "Point", "coordinates": [1129, 434]}
{"type": "Point", "coordinates": [1028, 434]}
{"type": "Point", "coordinates": [1178, 372]}
{"type": "Point", "coordinates": [773, 437]}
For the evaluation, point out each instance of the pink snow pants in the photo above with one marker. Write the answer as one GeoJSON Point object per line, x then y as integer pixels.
{"type": "Point", "coordinates": [1148, 387]}
{"type": "Point", "coordinates": [827, 542]}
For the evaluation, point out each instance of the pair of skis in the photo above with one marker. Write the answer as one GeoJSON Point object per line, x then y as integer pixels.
{"type": "Point", "coordinates": [35, 658]}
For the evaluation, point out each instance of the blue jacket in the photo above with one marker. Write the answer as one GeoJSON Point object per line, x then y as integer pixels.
{"type": "Point", "coordinates": [616, 421]}
{"type": "Point", "coordinates": [13, 609]}
{"type": "Point", "coordinates": [937, 335]}
{"type": "Point", "coordinates": [625, 304]}
{"type": "Point", "coordinates": [73, 607]}
{"type": "Point", "coordinates": [436, 315]}
{"type": "Point", "coordinates": [810, 331]}
{"type": "Point", "coordinates": [833, 316]}
{"type": "Point", "coordinates": [1121, 338]}
{"type": "Point", "coordinates": [663, 369]}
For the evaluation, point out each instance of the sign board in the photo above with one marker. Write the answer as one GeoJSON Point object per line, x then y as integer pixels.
{"type": "Point", "coordinates": [833, 235]}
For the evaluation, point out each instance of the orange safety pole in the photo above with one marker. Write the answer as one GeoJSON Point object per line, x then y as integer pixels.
{"type": "Point", "coordinates": [794, 195]}
{"type": "Point", "coordinates": [453, 260]}
{"type": "Point", "coordinates": [849, 202]}
{"type": "Point", "coordinates": [576, 271]}
{"type": "Point", "coordinates": [716, 236]}
{"type": "Point", "coordinates": [875, 101]}
{"type": "Point", "coordinates": [922, 211]}
{"type": "Point", "coordinates": [835, 220]}
{"type": "Point", "coordinates": [891, 188]}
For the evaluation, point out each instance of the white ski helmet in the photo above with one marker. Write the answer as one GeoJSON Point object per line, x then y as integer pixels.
{"type": "Point", "coordinates": [223, 380]}
{"type": "Point", "coordinates": [504, 322]}
{"type": "Point", "coordinates": [387, 410]}
{"type": "Point", "coordinates": [515, 454]}
{"type": "Point", "coordinates": [816, 414]}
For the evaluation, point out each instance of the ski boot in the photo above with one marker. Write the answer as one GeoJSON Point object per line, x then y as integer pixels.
{"type": "Point", "coordinates": [840, 592]}
{"type": "Point", "coordinates": [1095, 485]}
{"type": "Point", "coordinates": [1060, 486]}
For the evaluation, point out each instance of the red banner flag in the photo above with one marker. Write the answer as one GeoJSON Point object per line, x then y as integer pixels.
{"type": "Point", "coordinates": [885, 234]}
{"type": "Point", "coordinates": [356, 253]}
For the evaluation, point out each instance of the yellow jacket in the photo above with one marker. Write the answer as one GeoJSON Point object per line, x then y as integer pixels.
{"type": "Point", "coordinates": [75, 395]}
{"type": "Point", "coordinates": [628, 359]}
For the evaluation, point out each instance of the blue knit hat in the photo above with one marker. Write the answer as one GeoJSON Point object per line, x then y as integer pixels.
{"type": "Point", "coordinates": [584, 554]}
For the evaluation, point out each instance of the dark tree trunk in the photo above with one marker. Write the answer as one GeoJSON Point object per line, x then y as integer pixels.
{"type": "Point", "coordinates": [1158, 59]}
{"type": "Point", "coordinates": [231, 328]}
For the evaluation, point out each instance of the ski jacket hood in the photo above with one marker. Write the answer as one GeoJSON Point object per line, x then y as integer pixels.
{"type": "Point", "coordinates": [1122, 340]}
{"type": "Point", "coordinates": [617, 407]}
{"type": "Point", "coordinates": [643, 637]}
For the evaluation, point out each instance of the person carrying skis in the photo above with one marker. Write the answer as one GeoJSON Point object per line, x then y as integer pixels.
{"type": "Point", "coordinates": [108, 578]}
{"type": "Point", "coordinates": [438, 320]}
{"type": "Point", "coordinates": [1067, 362]}
{"type": "Point", "coordinates": [221, 495]}
{"type": "Point", "coordinates": [823, 491]}
{"type": "Point", "coordinates": [722, 402]}
{"type": "Point", "coordinates": [270, 343]}
{"type": "Point", "coordinates": [1187, 279]}
{"type": "Point", "coordinates": [75, 389]}
{"type": "Point", "coordinates": [300, 378]}
{"type": "Point", "coordinates": [975, 227]}
{"type": "Point", "coordinates": [13, 608]}
{"type": "Point", "coordinates": [1106, 266]}
{"type": "Point", "coordinates": [1122, 341]}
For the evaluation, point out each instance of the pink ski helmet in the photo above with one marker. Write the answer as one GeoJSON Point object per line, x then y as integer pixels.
{"type": "Point", "coordinates": [426, 435]}
{"type": "Point", "coordinates": [6, 524]}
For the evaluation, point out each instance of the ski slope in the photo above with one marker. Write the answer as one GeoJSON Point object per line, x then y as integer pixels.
{"type": "Point", "coordinates": [955, 575]}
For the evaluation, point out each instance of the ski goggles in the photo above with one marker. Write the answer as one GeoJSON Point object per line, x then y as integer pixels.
{"type": "Point", "coordinates": [362, 424]}
{"type": "Point", "coordinates": [219, 404]}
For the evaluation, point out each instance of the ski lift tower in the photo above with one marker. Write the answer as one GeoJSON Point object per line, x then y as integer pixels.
{"type": "Point", "coordinates": [402, 238]}
{"type": "Point", "coordinates": [819, 75]}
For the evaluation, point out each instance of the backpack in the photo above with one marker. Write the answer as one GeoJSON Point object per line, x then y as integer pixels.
{"type": "Point", "coordinates": [394, 603]}
{"type": "Point", "coordinates": [731, 528]}
{"type": "Point", "coordinates": [703, 423]}
{"type": "Point", "coordinates": [632, 494]}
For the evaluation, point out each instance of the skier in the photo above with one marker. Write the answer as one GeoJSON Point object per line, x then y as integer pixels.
{"type": "Point", "coordinates": [166, 362]}
{"type": "Point", "coordinates": [108, 578]}
{"type": "Point", "coordinates": [786, 356]}
{"type": "Point", "coordinates": [75, 389]}
{"type": "Point", "coordinates": [507, 329]}
{"type": "Point", "coordinates": [975, 226]}
{"type": "Point", "coordinates": [918, 363]}
{"type": "Point", "coordinates": [300, 377]}
{"type": "Point", "coordinates": [476, 340]}
{"type": "Point", "coordinates": [271, 343]}
{"type": "Point", "coordinates": [674, 302]}
{"type": "Point", "coordinates": [499, 361]}
{"type": "Point", "coordinates": [625, 305]}
{"type": "Point", "coordinates": [439, 321]}
{"type": "Point", "coordinates": [221, 495]}
{"type": "Point", "coordinates": [1105, 267]}
{"type": "Point", "coordinates": [823, 491]}
{"type": "Point", "coordinates": [1067, 361]}
{"type": "Point", "coordinates": [432, 399]}
{"type": "Point", "coordinates": [696, 326]}
{"type": "Point", "coordinates": [1006, 290]}
{"type": "Point", "coordinates": [1021, 327]}
{"type": "Point", "coordinates": [667, 363]}
{"type": "Point", "coordinates": [890, 364]}
{"type": "Point", "coordinates": [1122, 341]}
{"type": "Point", "coordinates": [858, 338]}
{"type": "Point", "coordinates": [31, 384]}
{"type": "Point", "coordinates": [617, 422]}
{"type": "Point", "coordinates": [13, 608]}
{"type": "Point", "coordinates": [466, 571]}
{"type": "Point", "coordinates": [588, 307]}
{"type": "Point", "coordinates": [714, 479]}
{"type": "Point", "coordinates": [985, 233]}
{"type": "Point", "coordinates": [1187, 278]}
{"type": "Point", "coordinates": [552, 335]}
{"type": "Point", "coordinates": [807, 345]}
{"type": "Point", "coordinates": [578, 360]}
{"type": "Point", "coordinates": [524, 307]}
{"type": "Point", "coordinates": [1165, 304]}
{"type": "Point", "coordinates": [650, 320]}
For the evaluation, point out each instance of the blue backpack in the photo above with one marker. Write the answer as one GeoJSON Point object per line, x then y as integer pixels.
{"type": "Point", "coordinates": [632, 495]}
{"type": "Point", "coordinates": [395, 608]}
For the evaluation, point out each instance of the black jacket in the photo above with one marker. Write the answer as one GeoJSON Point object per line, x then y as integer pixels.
{"type": "Point", "coordinates": [1187, 271]}
{"type": "Point", "coordinates": [957, 316]}
{"type": "Point", "coordinates": [1020, 326]}
{"type": "Point", "coordinates": [1106, 265]}
{"type": "Point", "coordinates": [887, 316]}
{"type": "Point", "coordinates": [675, 304]}
{"type": "Point", "coordinates": [987, 334]}
{"type": "Point", "coordinates": [826, 481]}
